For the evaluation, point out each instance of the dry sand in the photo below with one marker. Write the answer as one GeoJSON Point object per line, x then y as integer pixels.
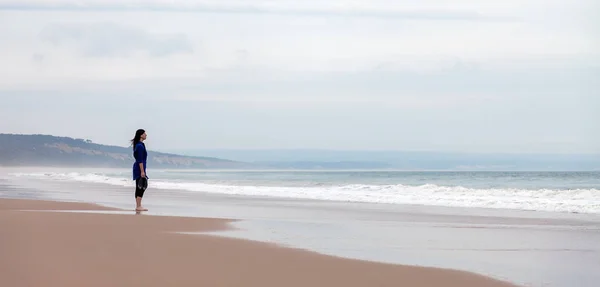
{"type": "Point", "coordinates": [87, 249]}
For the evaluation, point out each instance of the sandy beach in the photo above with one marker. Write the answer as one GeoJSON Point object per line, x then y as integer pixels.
{"type": "Point", "coordinates": [41, 247]}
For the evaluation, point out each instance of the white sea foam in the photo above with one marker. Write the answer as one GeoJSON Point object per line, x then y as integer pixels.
{"type": "Point", "coordinates": [571, 200]}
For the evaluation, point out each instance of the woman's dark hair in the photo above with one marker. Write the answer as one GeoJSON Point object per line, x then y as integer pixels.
{"type": "Point", "coordinates": [136, 138]}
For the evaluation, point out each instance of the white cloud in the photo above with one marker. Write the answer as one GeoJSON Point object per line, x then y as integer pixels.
{"type": "Point", "coordinates": [291, 43]}
{"type": "Point", "coordinates": [433, 70]}
{"type": "Point", "coordinates": [112, 40]}
{"type": "Point", "coordinates": [428, 9]}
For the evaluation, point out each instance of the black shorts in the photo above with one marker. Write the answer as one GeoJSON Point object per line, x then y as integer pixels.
{"type": "Point", "coordinates": [140, 187]}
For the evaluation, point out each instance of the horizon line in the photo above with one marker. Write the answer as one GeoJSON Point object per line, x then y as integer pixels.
{"type": "Point", "coordinates": [263, 149]}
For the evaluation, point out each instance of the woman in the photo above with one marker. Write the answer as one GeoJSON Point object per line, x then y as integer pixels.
{"type": "Point", "coordinates": [139, 167]}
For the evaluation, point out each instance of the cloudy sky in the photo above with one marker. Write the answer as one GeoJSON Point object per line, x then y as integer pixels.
{"type": "Point", "coordinates": [465, 75]}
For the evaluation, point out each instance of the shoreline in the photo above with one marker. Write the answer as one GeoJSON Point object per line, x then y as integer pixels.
{"type": "Point", "coordinates": [92, 244]}
{"type": "Point", "coordinates": [526, 248]}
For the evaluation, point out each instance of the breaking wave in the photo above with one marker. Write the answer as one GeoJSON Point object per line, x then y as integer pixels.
{"type": "Point", "coordinates": [553, 200]}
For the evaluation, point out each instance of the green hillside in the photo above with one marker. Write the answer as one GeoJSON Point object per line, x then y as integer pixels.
{"type": "Point", "coordinates": [47, 150]}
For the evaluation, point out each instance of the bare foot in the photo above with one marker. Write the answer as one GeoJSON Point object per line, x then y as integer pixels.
{"type": "Point", "coordinates": [141, 209]}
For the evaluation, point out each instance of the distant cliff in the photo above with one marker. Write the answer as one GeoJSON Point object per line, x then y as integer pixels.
{"type": "Point", "coordinates": [47, 150]}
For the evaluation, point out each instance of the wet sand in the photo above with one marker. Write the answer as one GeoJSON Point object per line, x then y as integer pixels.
{"type": "Point", "coordinates": [40, 247]}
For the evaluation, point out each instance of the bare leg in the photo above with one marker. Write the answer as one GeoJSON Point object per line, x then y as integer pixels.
{"type": "Point", "coordinates": [138, 206]}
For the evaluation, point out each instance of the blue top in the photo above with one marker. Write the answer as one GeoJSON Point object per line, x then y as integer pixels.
{"type": "Point", "coordinates": [140, 155]}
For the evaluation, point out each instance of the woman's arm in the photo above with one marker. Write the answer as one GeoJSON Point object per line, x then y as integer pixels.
{"type": "Point", "coordinates": [142, 172]}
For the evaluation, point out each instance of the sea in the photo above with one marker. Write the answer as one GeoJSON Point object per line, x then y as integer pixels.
{"type": "Point", "coordinates": [577, 192]}
{"type": "Point", "coordinates": [530, 228]}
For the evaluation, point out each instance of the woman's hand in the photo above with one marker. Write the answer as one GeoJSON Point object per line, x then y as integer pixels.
{"type": "Point", "coordinates": [143, 174]}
